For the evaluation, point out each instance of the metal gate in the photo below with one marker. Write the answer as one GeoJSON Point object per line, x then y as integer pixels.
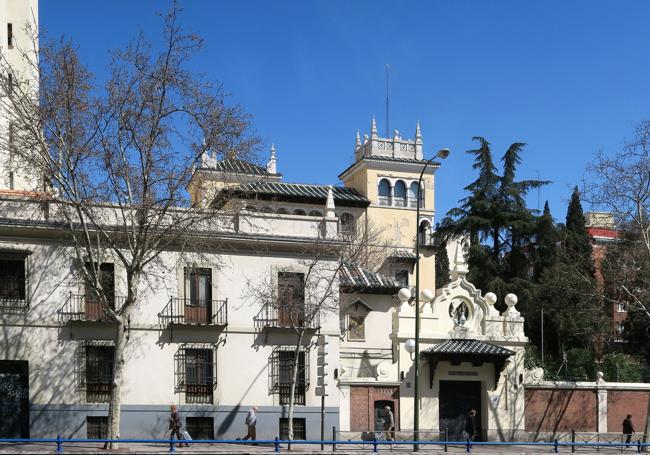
{"type": "Point", "coordinates": [14, 399]}
{"type": "Point", "coordinates": [456, 398]}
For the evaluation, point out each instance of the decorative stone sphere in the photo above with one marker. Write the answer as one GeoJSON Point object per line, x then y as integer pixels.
{"type": "Point", "coordinates": [599, 376]}
{"type": "Point", "coordinates": [490, 298]}
{"type": "Point", "coordinates": [511, 300]}
{"type": "Point", "coordinates": [404, 294]}
{"type": "Point", "coordinates": [427, 295]}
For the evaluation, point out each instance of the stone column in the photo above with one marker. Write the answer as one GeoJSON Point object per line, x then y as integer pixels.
{"type": "Point", "coordinates": [601, 403]}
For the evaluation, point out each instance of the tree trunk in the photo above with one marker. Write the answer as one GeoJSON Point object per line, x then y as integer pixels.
{"type": "Point", "coordinates": [292, 388]}
{"type": "Point", "coordinates": [115, 403]}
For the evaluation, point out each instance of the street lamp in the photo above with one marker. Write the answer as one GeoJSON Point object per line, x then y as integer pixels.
{"type": "Point", "coordinates": [442, 154]}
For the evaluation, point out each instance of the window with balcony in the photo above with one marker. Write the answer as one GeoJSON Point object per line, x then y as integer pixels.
{"type": "Point", "coordinates": [106, 279]}
{"type": "Point", "coordinates": [281, 362]}
{"type": "Point", "coordinates": [299, 428]}
{"type": "Point", "coordinates": [399, 195]}
{"type": "Point", "coordinates": [195, 373]}
{"type": "Point", "coordinates": [198, 295]}
{"type": "Point", "coordinates": [96, 427]}
{"type": "Point", "coordinates": [384, 192]}
{"type": "Point", "coordinates": [99, 372]}
{"type": "Point", "coordinates": [200, 427]}
{"type": "Point", "coordinates": [291, 299]}
{"type": "Point", "coordinates": [13, 281]}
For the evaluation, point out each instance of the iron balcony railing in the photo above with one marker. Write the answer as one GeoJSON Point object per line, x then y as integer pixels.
{"type": "Point", "coordinates": [12, 306]}
{"type": "Point", "coordinates": [79, 307]}
{"type": "Point", "coordinates": [195, 312]}
{"type": "Point", "coordinates": [287, 316]}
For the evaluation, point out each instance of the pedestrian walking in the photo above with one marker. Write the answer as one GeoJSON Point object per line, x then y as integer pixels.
{"type": "Point", "coordinates": [175, 425]}
{"type": "Point", "coordinates": [628, 428]}
{"type": "Point", "coordinates": [389, 424]}
{"type": "Point", "coordinates": [471, 429]}
{"type": "Point", "coordinates": [251, 423]}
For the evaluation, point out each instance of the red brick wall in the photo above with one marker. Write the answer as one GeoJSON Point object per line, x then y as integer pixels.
{"type": "Point", "coordinates": [560, 411]}
{"type": "Point", "coordinates": [623, 402]}
{"type": "Point", "coordinates": [362, 405]}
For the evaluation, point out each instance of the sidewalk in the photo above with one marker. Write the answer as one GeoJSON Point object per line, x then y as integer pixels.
{"type": "Point", "coordinates": [298, 448]}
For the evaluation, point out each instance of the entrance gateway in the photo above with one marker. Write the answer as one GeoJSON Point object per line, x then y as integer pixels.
{"type": "Point", "coordinates": [456, 399]}
{"type": "Point", "coordinates": [14, 399]}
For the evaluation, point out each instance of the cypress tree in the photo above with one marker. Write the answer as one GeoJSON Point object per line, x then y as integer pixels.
{"type": "Point", "coordinates": [442, 264]}
{"type": "Point", "coordinates": [547, 237]}
{"type": "Point", "coordinates": [577, 239]}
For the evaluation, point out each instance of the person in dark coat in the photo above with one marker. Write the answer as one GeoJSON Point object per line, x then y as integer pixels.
{"type": "Point", "coordinates": [389, 424]}
{"type": "Point", "coordinates": [628, 428]}
{"type": "Point", "coordinates": [175, 424]}
{"type": "Point", "coordinates": [471, 429]}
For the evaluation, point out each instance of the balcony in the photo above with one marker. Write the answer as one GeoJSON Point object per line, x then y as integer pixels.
{"type": "Point", "coordinates": [287, 317]}
{"type": "Point", "coordinates": [181, 311]}
{"type": "Point", "coordinates": [13, 306]}
{"type": "Point", "coordinates": [79, 307]}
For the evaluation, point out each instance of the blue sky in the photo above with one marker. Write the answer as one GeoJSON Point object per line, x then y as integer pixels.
{"type": "Point", "coordinates": [568, 78]}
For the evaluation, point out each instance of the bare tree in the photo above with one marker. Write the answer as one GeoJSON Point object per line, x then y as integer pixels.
{"type": "Point", "coordinates": [300, 301]}
{"type": "Point", "coordinates": [115, 156]}
{"type": "Point", "coordinates": [621, 186]}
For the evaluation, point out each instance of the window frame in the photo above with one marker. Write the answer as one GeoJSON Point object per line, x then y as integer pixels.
{"type": "Point", "coordinates": [279, 369]}
{"type": "Point", "coordinates": [200, 388]}
{"type": "Point", "coordinates": [194, 423]}
{"type": "Point", "coordinates": [192, 286]}
{"type": "Point", "coordinates": [8, 303]}
{"type": "Point", "coordinates": [299, 423]}
{"type": "Point", "coordinates": [97, 391]}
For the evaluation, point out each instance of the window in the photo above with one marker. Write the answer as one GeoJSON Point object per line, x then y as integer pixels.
{"type": "Point", "coordinates": [96, 427]}
{"type": "Point", "coordinates": [198, 287]}
{"type": "Point", "coordinates": [10, 35]}
{"type": "Point", "coordinates": [315, 213]}
{"type": "Point", "coordinates": [299, 212]}
{"type": "Point", "coordinates": [99, 373]}
{"type": "Point", "coordinates": [620, 328]}
{"type": "Point", "coordinates": [195, 373]}
{"type": "Point", "coordinates": [413, 194]}
{"type": "Point", "coordinates": [106, 278]}
{"type": "Point", "coordinates": [384, 192]}
{"type": "Point", "coordinates": [10, 84]}
{"type": "Point", "coordinates": [291, 299]}
{"type": "Point", "coordinates": [402, 277]}
{"type": "Point", "coordinates": [299, 428]}
{"type": "Point", "coordinates": [200, 427]}
{"type": "Point", "coordinates": [283, 211]}
{"type": "Point", "coordinates": [11, 181]}
{"type": "Point", "coordinates": [281, 363]}
{"type": "Point", "coordinates": [266, 209]}
{"type": "Point", "coordinates": [346, 222]}
{"type": "Point", "coordinates": [400, 194]}
{"type": "Point", "coordinates": [251, 208]}
{"type": "Point", "coordinates": [12, 143]}
{"type": "Point", "coordinates": [424, 233]}
{"type": "Point", "coordinates": [621, 307]}
{"type": "Point", "coordinates": [13, 289]}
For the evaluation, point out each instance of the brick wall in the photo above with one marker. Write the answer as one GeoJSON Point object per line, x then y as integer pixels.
{"type": "Point", "coordinates": [623, 402]}
{"type": "Point", "coordinates": [560, 411]}
{"type": "Point", "coordinates": [362, 405]}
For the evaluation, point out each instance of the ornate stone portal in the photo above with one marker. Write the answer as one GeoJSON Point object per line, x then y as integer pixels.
{"type": "Point", "coordinates": [471, 357]}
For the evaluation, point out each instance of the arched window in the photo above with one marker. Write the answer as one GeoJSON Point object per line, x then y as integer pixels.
{"type": "Point", "coordinates": [384, 192]}
{"type": "Point", "coordinates": [421, 202]}
{"type": "Point", "coordinates": [251, 208]}
{"type": "Point", "coordinates": [346, 223]}
{"type": "Point", "coordinates": [266, 209]}
{"type": "Point", "coordinates": [413, 195]}
{"type": "Point", "coordinates": [400, 194]}
{"type": "Point", "coordinates": [424, 233]}
{"type": "Point", "coordinates": [283, 211]}
{"type": "Point", "coordinates": [315, 213]}
{"type": "Point", "coordinates": [299, 212]}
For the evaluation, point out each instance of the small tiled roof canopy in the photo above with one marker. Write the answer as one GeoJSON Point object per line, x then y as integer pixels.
{"type": "Point", "coordinates": [295, 192]}
{"type": "Point", "coordinates": [403, 255]}
{"type": "Point", "coordinates": [475, 351]}
{"type": "Point", "coordinates": [354, 278]}
{"type": "Point", "coordinates": [239, 167]}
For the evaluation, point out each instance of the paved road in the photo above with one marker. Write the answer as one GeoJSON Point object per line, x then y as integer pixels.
{"type": "Point", "coordinates": [298, 449]}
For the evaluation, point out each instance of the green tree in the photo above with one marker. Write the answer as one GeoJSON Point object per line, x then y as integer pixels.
{"type": "Point", "coordinates": [442, 263]}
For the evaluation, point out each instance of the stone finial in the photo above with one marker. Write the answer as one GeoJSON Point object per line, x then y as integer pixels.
{"type": "Point", "coordinates": [329, 206]}
{"type": "Point", "coordinates": [358, 141]}
{"type": "Point", "coordinates": [373, 128]}
{"type": "Point", "coordinates": [396, 136]}
{"type": "Point", "coordinates": [491, 299]}
{"type": "Point", "coordinates": [511, 300]}
{"type": "Point", "coordinates": [365, 138]}
{"type": "Point", "coordinates": [418, 133]}
{"type": "Point", "coordinates": [271, 165]}
{"type": "Point", "coordinates": [205, 159]}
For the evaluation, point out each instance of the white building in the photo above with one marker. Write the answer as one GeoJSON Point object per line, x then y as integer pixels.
{"type": "Point", "coordinates": [200, 340]}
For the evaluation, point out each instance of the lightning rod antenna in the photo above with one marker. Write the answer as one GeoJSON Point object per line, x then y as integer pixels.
{"type": "Point", "coordinates": [387, 105]}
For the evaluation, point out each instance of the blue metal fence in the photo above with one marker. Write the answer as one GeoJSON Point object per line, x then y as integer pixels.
{"type": "Point", "coordinates": [276, 443]}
